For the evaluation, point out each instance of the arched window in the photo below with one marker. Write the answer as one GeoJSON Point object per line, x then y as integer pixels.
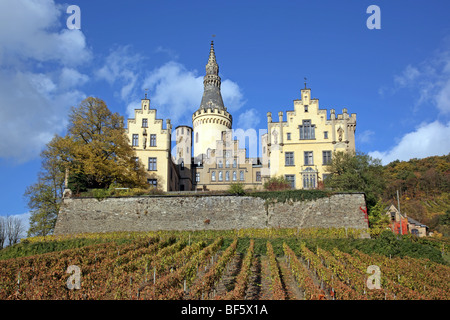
{"type": "Point", "coordinates": [234, 176]}
{"type": "Point", "coordinates": [309, 176]}
{"type": "Point", "coordinates": [227, 176]}
{"type": "Point", "coordinates": [213, 176]}
{"type": "Point", "coordinates": [241, 175]}
{"type": "Point", "coordinates": [220, 176]}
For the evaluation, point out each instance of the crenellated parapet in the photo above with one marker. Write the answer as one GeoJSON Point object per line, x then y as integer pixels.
{"type": "Point", "coordinates": [212, 115]}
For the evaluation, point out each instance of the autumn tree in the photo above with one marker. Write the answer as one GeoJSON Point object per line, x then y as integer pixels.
{"type": "Point", "coordinates": [95, 152]}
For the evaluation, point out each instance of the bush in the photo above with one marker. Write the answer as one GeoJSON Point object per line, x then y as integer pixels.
{"type": "Point", "coordinates": [277, 184]}
{"type": "Point", "coordinates": [236, 189]}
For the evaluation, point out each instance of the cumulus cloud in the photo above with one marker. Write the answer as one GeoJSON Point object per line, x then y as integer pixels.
{"type": "Point", "coordinates": [427, 140]}
{"type": "Point", "coordinates": [177, 92]}
{"type": "Point", "coordinates": [122, 67]}
{"type": "Point", "coordinates": [249, 119]}
{"type": "Point", "coordinates": [38, 76]}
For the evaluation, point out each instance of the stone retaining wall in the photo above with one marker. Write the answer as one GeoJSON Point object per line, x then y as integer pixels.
{"type": "Point", "coordinates": [207, 212]}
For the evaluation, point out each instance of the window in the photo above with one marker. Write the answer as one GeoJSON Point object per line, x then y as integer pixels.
{"type": "Point", "coordinates": [220, 163]}
{"type": "Point", "coordinates": [220, 176]}
{"type": "Point", "coordinates": [234, 163]}
{"type": "Point", "coordinates": [291, 179]}
{"type": "Point", "coordinates": [187, 150]}
{"type": "Point", "coordinates": [258, 175]}
{"type": "Point", "coordinates": [152, 164]}
{"type": "Point", "coordinates": [182, 165]}
{"type": "Point", "coordinates": [144, 123]}
{"type": "Point", "coordinates": [325, 134]}
{"type": "Point", "coordinates": [197, 177]}
{"type": "Point", "coordinates": [153, 182]}
{"type": "Point", "coordinates": [182, 130]}
{"type": "Point", "coordinates": [326, 156]}
{"type": "Point", "coordinates": [307, 130]}
{"type": "Point", "coordinates": [306, 108]}
{"type": "Point", "coordinates": [135, 140]}
{"type": "Point", "coordinates": [213, 176]}
{"type": "Point", "coordinates": [309, 178]}
{"type": "Point", "coordinates": [234, 176]}
{"type": "Point", "coordinates": [325, 176]}
{"type": "Point", "coordinates": [227, 163]}
{"type": "Point", "coordinates": [241, 175]}
{"type": "Point", "coordinates": [227, 175]}
{"type": "Point", "coordinates": [196, 137]}
{"type": "Point", "coordinates": [153, 140]}
{"type": "Point", "coordinates": [289, 159]}
{"type": "Point", "coordinates": [288, 136]}
{"type": "Point", "coordinates": [308, 158]}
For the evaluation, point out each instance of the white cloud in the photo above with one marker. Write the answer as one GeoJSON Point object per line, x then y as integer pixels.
{"type": "Point", "coordinates": [248, 119]}
{"type": "Point", "coordinates": [177, 92]}
{"type": "Point", "coordinates": [34, 104]}
{"type": "Point", "coordinates": [430, 80]}
{"type": "Point", "coordinates": [122, 67]}
{"type": "Point", "coordinates": [232, 95]}
{"type": "Point", "coordinates": [427, 140]}
{"type": "Point", "coordinates": [443, 98]}
{"type": "Point", "coordinates": [408, 76]}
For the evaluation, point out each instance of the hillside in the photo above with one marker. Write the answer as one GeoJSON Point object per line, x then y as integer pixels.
{"type": "Point", "coordinates": [251, 264]}
{"type": "Point", "coordinates": [424, 188]}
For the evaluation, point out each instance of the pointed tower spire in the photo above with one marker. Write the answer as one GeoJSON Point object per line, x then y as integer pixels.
{"type": "Point", "coordinates": [212, 96]}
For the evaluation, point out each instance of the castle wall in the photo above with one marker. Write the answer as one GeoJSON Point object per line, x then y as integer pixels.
{"type": "Point", "coordinates": [207, 212]}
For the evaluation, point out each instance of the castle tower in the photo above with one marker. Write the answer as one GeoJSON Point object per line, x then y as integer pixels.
{"type": "Point", "coordinates": [183, 144]}
{"type": "Point", "coordinates": [211, 118]}
{"type": "Point", "coordinates": [182, 157]}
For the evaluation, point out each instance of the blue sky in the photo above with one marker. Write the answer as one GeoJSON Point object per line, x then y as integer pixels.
{"type": "Point", "coordinates": [396, 79]}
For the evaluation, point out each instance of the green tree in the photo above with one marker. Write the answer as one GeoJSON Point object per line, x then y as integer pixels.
{"type": "Point", "coordinates": [356, 172]}
{"type": "Point", "coordinates": [44, 197]}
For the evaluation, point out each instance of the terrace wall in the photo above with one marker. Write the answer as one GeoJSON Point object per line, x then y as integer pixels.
{"type": "Point", "coordinates": [150, 213]}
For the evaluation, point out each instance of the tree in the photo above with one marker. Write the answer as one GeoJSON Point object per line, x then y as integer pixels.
{"type": "Point", "coordinates": [14, 230]}
{"type": "Point", "coordinates": [356, 172]}
{"type": "Point", "coordinates": [96, 153]}
{"type": "Point", "coordinates": [97, 148]}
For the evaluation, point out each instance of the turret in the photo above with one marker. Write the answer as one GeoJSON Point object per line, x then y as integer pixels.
{"type": "Point", "coordinates": [211, 118]}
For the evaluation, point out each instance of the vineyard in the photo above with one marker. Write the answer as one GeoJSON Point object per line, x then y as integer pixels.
{"type": "Point", "coordinates": [228, 265]}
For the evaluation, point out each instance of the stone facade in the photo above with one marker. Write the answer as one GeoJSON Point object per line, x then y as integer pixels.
{"type": "Point", "coordinates": [196, 212]}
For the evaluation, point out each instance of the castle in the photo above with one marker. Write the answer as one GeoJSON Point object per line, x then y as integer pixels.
{"type": "Point", "coordinates": [206, 157]}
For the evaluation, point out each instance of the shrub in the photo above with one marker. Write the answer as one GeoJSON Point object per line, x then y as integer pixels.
{"type": "Point", "coordinates": [277, 184]}
{"type": "Point", "coordinates": [237, 189]}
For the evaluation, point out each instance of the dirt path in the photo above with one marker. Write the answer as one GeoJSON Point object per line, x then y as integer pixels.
{"type": "Point", "coordinates": [227, 282]}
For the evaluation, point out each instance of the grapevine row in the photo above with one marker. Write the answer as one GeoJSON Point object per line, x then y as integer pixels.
{"type": "Point", "coordinates": [277, 287]}
{"type": "Point", "coordinates": [241, 283]}
{"type": "Point", "coordinates": [301, 274]}
{"type": "Point", "coordinates": [209, 280]}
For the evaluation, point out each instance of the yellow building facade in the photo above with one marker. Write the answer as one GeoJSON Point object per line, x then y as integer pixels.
{"type": "Point", "coordinates": [301, 143]}
{"type": "Point", "coordinates": [152, 145]}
